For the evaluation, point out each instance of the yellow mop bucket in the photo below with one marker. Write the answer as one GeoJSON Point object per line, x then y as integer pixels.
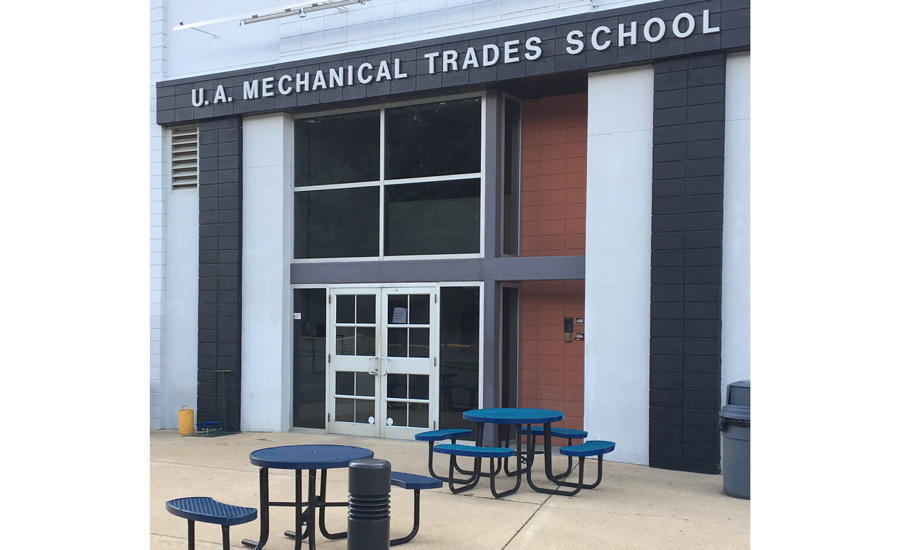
{"type": "Point", "coordinates": [186, 421]}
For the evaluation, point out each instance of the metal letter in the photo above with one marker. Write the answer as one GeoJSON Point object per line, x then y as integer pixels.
{"type": "Point", "coordinates": [706, 28]}
{"type": "Point", "coordinates": [594, 43]}
{"type": "Point", "coordinates": [397, 73]}
{"type": "Point", "coordinates": [450, 59]}
{"type": "Point", "coordinates": [430, 57]}
{"type": "Point", "coordinates": [574, 38]}
{"type": "Point", "coordinates": [534, 51]}
{"type": "Point", "coordinates": [302, 81]}
{"type": "Point", "coordinates": [384, 72]}
{"type": "Point", "coordinates": [220, 95]}
{"type": "Point", "coordinates": [508, 51]}
{"type": "Point", "coordinates": [661, 32]}
{"type": "Point", "coordinates": [336, 78]}
{"type": "Point", "coordinates": [268, 87]}
{"type": "Point", "coordinates": [359, 73]}
{"type": "Point", "coordinates": [194, 101]}
{"type": "Point", "coordinates": [319, 81]}
{"type": "Point", "coordinates": [251, 91]}
{"type": "Point", "coordinates": [471, 59]}
{"type": "Point", "coordinates": [487, 62]}
{"type": "Point", "coordinates": [630, 34]}
{"type": "Point", "coordinates": [677, 22]}
{"type": "Point", "coordinates": [281, 89]}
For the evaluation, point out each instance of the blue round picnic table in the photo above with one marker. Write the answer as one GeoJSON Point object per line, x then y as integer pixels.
{"type": "Point", "coordinates": [520, 417]}
{"type": "Point", "coordinates": [514, 416]}
{"type": "Point", "coordinates": [298, 458]}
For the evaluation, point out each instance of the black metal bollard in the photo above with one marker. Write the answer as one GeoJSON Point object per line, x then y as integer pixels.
{"type": "Point", "coordinates": [369, 505]}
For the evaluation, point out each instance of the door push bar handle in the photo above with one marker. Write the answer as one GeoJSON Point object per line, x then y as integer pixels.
{"type": "Point", "coordinates": [371, 370]}
{"type": "Point", "coordinates": [384, 370]}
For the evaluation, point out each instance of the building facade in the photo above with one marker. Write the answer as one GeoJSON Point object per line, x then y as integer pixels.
{"type": "Point", "coordinates": [369, 217]}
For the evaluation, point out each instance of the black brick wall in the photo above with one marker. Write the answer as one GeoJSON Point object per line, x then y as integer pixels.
{"type": "Point", "coordinates": [219, 309]}
{"type": "Point", "coordinates": [686, 263]}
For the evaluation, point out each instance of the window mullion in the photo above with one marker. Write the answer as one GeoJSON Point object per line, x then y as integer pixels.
{"type": "Point", "coordinates": [381, 190]}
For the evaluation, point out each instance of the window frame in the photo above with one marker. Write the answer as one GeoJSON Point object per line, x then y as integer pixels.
{"type": "Point", "coordinates": [381, 183]}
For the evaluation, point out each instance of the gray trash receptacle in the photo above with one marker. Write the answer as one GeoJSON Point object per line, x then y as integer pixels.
{"type": "Point", "coordinates": [734, 421]}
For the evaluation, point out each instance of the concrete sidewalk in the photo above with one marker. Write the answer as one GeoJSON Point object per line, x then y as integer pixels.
{"type": "Point", "coordinates": [634, 507]}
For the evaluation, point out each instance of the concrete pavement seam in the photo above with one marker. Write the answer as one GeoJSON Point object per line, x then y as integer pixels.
{"type": "Point", "coordinates": [519, 530]}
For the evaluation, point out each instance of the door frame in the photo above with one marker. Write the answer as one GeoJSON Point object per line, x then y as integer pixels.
{"type": "Point", "coordinates": [329, 288]}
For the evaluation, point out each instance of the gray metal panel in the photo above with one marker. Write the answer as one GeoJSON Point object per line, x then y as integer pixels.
{"type": "Point", "coordinates": [470, 269]}
{"type": "Point", "coordinates": [492, 184]}
{"type": "Point", "coordinates": [490, 386]}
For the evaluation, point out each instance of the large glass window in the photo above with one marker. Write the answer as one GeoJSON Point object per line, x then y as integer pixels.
{"type": "Point", "coordinates": [336, 223]}
{"type": "Point", "coordinates": [435, 139]}
{"type": "Point", "coordinates": [512, 160]}
{"type": "Point", "coordinates": [441, 217]}
{"type": "Point", "coordinates": [309, 357]}
{"type": "Point", "coordinates": [337, 149]}
{"type": "Point", "coordinates": [399, 181]}
{"type": "Point", "coordinates": [460, 352]}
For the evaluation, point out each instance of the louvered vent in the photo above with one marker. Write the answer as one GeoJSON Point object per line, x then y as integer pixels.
{"type": "Point", "coordinates": [184, 157]}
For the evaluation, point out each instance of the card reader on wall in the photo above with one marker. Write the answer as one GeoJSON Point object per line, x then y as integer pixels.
{"type": "Point", "coordinates": [568, 326]}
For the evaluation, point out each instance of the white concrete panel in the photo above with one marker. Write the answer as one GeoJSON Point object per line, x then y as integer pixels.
{"type": "Point", "coordinates": [736, 224]}
{"type": "Point", "coordinates": [617, 261]}
{"type": "Point", "coordinates": [267, 242]}
{"type": "Point", "coordinates": [180, 332]}
{"type": "Point", "coordinates": [378, 23]}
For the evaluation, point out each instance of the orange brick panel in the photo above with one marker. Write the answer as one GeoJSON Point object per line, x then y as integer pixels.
{"type": "Point", "coordinates": [552, 369]}
{"type": "Point", "coordinates": [575, 195]}
{"type": "Point", "coordinates": [552, 211]}
{"type": "Point", "coordinates": [576, 164]}
{"type": "Point", "coordinates": [552, 181]}
{"type": "Point", "coordinates": [574, 212]}
{"type": "Point", "coordinates": [553, 227]}
{"type": "Point", "coordinates": [556, 166]}
{"type": "Point", "coordinates": [576, 180]}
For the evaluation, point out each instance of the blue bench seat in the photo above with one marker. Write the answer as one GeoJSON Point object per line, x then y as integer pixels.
{"type": "Point", "coordinates": [415, 483]}
{"type": "Point", "coordinates": [589, 448]}
{"type": "Point", "coordinates": [208, 510]}
{"type": "Point", "coordinates": [477, 453]}
{"type": "Point", "coordinates": [562, 433]}
{"type": "Point", "coordinates": [208, 424]}
{"type": "Point", "coordinates": [586, 449]}
{"type": "Point", "coordinates": [537, 431]}
{"type": "Point", "coordinates": [440, 435]}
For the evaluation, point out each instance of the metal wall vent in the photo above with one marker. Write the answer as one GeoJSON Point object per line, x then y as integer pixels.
{"type": "Point", "coordinates": [185, 158]}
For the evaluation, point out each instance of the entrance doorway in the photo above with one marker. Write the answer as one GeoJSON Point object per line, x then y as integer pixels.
{"type": "Point", "coordinates": [382, 361]}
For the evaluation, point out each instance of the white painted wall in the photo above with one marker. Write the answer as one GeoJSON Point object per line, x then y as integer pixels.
{"type": "Point", "coordinates": [157, 218]}
{"type": "Point", "coordinates": [736, 230]}
{"type": "Point", "coordinates": [267, 251]}
{"type": "Point", "coordinates": [375, 24]}
{"type": "Point", "coordinates": [617, 261]}
{"type": "Point", "coordinates": [182, 272]}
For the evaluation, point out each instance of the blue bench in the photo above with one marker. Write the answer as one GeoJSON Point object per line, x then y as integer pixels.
{"type": "Point", "coordinates": [207, 510]}
{"type": "Point", "coordinates": [477, 453]}
{"type": "Point", "coordinates": [206, 425]}
{"type": "Point", "coordinates": [441, 435]}
{"type": "Point", "coordinates": [416, 483]}
{"type": "Point", "coordinates": [589, 448]}
{"type": "Point", "coordinates": [562, 433]}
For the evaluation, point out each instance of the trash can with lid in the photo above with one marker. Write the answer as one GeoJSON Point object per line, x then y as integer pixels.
{"type": "Point", "coordinates": [734, 421]}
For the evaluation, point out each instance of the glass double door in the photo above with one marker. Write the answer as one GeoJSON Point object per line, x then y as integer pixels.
{"type": "Point", "coordinates": [382, 361]}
